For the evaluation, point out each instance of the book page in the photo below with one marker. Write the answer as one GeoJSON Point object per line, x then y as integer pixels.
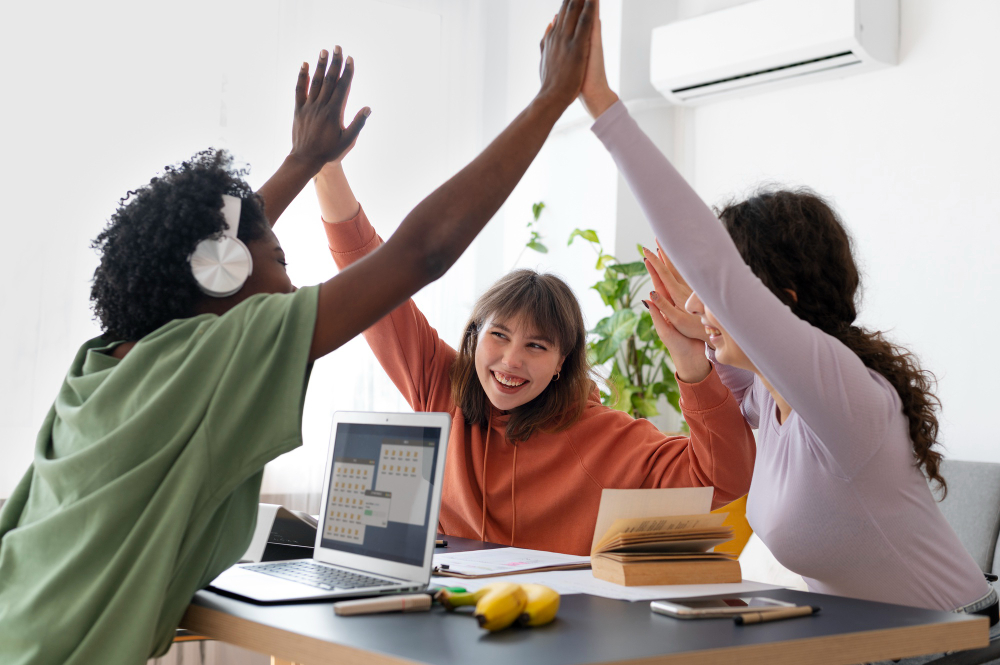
{"type": "Point", "coordinates": [631, 504]}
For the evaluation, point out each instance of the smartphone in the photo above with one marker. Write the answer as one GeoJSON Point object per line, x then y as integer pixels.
{"type": "Point", "coordinates": [708, 608]}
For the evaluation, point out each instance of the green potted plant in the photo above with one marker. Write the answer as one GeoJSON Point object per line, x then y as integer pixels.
{"type": "Point", "coordinates": [641, 369]}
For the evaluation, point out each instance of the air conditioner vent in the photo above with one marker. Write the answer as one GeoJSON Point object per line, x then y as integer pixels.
{"type": "Point", "coordinates": [762, 76]}
{"type": "Point", "coordinates": [771, 43]}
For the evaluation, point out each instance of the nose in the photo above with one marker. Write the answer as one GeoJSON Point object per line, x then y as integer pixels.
{"type": "Point", "coordinates": [512, 357]}
{"type": "Point", "coordinates": [694, 305]}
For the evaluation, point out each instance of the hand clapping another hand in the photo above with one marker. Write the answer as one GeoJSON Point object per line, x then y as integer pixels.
{"type": "Point", "coordinates": [318, 132]}
{"type": "Point", "coordinates": [565, 49]}
{"type": "Point", "coordinates": [683, 333]}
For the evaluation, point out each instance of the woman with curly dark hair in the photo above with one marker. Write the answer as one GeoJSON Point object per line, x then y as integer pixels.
{"type": "Point", "coordinates": [846, 420]}
{"type": "Point", "coordinates": [147, 470]}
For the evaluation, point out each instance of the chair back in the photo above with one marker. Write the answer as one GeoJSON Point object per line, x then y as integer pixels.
{"type": "Point", "coordinates": [972, 508]}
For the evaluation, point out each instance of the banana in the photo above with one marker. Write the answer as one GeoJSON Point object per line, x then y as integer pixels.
{"type": "Point", "coordinates": [501, 605]}
{"type": "Point", "coordinates": [497, 605]}
{"type": "Point", "coordinates": [542, 605]}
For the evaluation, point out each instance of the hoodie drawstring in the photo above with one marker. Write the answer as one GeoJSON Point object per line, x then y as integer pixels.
{"type": "Point", "coordinates": [513, 506]}
{"type": "Point", "coordinates": [486, 454]}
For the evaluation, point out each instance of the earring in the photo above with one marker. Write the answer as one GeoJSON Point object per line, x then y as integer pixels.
{"type": "Point", "coordinates": [556, 377]}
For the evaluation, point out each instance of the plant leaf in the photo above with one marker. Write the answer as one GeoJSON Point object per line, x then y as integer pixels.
{"type": "Point", "coordinates": [537, 208]}
{"type": "Point", "coordinates": [590, 235]}
{"type": "Point", "coordinates": [613, 331]}
{"type": "Point", "coordinates": [643, 406]}
{"type": "Point", "coordinates": [645, 330]}
{"type": "Point", "coordinates": [629, 269]}
{"type": "Point", "coordinates": [538, 247]}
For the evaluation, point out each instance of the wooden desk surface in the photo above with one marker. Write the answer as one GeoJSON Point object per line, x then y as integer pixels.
{"type": "Point", "coordinates": [589, 630]}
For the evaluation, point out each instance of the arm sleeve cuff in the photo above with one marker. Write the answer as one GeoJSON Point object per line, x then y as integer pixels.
{"type": "Point", "coordinates": [709, 393]}
{"type": "Point", "coordinates": [606, 121]}
{"type": "Point", "coordinates": [350, 236]}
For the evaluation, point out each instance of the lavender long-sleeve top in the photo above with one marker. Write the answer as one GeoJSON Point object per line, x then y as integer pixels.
{"type": "Point", "coordinates": [835, 494]}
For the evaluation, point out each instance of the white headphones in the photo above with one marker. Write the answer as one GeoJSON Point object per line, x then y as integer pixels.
{"type": "Point", "coordinates": [221, 265]}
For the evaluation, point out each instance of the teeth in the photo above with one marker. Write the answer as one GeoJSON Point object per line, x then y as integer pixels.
{"type": "Point", "coordinates": [713, 332]}
{"type": "Point", "coordinates": [508, 381]}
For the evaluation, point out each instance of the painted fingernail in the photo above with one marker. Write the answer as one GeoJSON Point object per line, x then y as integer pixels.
{"type": "Point", "coordinates": [654, 295]}
{"type": "Point", "coordinates": [645, 304]}
{"type": "Point", "coordinates": [305, 66]}
{"type": "Point", "coordinates": [323, 54]}
{"type": "Point", "coordinates": [368, 112]}
{"type": "Point", "coordinates": [336, 50]}
{"type": "Point", "coordinates": [350, 61]}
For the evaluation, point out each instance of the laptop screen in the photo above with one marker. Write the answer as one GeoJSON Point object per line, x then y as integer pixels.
{"type": "Point", "coordinates": [380, 491]}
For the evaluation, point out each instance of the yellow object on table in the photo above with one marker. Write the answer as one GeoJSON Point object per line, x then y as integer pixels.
{"type": "Point", "coordinates": [741, 528]}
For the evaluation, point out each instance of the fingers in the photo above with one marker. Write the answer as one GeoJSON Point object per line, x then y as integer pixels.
{"type": "Point", "coordinates": [330, 81]}
{"type": "Point", "coordinates": [302, 85]}
{"type": "Point", "coordinates": [587, 19]}
{"type": "Point", "coordinates": [677, 291]}
{"type": "Point", "coordinates": [670, 265]}
{"type": "Point", "coordinates": [658, 285]}
{"type": "Point", "coordinates": [560, 19]}
{"type": "Point", "coordinates": [339, 98]}
{"type": "Point", "coordinates": [317, 80]}
{"type": "Point", "coordinates": [664, 328]}
{"type": "Point", "coordinates": [351, 133]}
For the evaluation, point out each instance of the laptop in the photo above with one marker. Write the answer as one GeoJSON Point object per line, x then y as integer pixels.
{"type": "Point", "coordinates": [381, 497]}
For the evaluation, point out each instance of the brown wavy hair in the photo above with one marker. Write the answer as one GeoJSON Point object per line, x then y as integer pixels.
{"type": "Point", "coordinates": [794, 240]}
{"type": "Point", "coordinates": [545, 302]}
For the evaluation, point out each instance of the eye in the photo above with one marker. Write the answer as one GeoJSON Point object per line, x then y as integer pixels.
{"type": "Point", "coordinates": [498, 335]}
{"type": "Point", "coordinates": [537, 346]}
{"type": "Point", "coordinates": [283, 263]}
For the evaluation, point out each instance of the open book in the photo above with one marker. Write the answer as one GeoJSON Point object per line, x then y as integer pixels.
{"type": "Point", "coordinates": [666, 549]}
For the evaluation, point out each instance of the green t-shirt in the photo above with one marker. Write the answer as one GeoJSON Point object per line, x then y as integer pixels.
{"type": "Point", "coordinates": [145, 481]}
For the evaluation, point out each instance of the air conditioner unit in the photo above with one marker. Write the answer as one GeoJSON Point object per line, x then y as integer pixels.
{"type": "Point", "coordinates": [766, 44]}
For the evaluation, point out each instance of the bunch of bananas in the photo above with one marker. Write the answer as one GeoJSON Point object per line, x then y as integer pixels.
{"type": "Point", "coordinates": [500, 604]}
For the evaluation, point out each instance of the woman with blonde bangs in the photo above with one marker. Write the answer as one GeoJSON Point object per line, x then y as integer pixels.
{"type": "Point", "coordinates": [531, 445]}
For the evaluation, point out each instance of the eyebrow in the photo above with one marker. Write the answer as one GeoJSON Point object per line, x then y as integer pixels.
{"type": "Point", "coordinates": [534, 337]}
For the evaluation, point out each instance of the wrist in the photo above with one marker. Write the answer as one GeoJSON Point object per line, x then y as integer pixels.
{"type": "Point", "coordinates": [303, 164]}
{"type": "Point", "coordinates": [597, 104]}
{"type": "Point", "coordinates": [692, 369]}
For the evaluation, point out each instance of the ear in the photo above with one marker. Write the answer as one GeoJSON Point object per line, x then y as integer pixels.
{"type": "Point", "coordinates": [559, 366]}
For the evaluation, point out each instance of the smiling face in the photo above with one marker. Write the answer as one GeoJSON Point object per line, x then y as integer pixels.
{"type": "Point", "coordinates": [515, 362]}
{"type": "Point", "coordinates": [727, 351]}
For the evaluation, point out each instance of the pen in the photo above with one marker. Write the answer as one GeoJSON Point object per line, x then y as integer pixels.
{"type": "Point", "coordinates": [774, 615]}
{"type": "Point", "coordinates": [417, 602]}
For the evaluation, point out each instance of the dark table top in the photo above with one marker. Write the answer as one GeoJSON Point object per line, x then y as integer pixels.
{"type": "Point", "coordinates": [590, 629]}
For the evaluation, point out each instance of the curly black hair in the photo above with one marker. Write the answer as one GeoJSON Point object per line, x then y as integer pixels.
{"type": "Point", "coordinates": [144, 279]}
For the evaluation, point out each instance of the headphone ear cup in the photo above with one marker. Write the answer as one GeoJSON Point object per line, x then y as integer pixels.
{"type": "Point", "coordinates": [221, 266]}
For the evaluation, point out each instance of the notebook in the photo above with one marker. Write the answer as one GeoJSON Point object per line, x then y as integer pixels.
{"type": "Point", "coordinates": [381, 498]}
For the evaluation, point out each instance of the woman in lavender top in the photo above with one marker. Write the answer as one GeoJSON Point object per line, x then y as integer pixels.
{"type": "Point", "coordinates": [846, 420]}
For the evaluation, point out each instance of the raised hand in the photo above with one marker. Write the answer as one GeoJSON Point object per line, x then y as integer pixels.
{"type": "Point", "coordinates": [565, 49]}
{"type": "Point", "coordinates": [318, 132]}
{"type": "Point", "coordinates": [595, 94]}
{"type": "Point", "coordinates": [670, 293]}
{"type": "Point", "coordinates": [688, 354]}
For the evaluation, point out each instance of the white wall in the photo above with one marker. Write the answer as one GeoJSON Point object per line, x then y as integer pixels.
{"type": "Point", "coordinates": [99, 97]}
{"type": "Point", "coordinates": [909, 156]}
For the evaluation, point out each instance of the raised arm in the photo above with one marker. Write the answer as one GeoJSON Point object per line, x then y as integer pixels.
{"type": "Point", "coordinates": [823, 381]}
{"type": "Point", "coordinates": [432, 237]}
{"type": "Point", "coordinates": [318, 132]}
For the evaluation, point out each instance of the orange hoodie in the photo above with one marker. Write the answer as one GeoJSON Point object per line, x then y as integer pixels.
{"type": "Point", "coordinates": [543, 493]}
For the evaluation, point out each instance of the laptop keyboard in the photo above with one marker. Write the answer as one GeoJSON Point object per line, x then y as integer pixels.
{"type": "Point", "coordinates": [319, 576]}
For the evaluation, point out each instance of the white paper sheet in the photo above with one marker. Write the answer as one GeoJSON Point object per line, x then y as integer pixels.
{"type": "Point", "coordinates": [569, 582]}
{"type": "Point", "coordinates": [503, 560]}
